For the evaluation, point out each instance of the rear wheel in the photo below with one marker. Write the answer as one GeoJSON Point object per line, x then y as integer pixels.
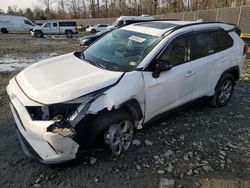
{"type": "Point", "coordinates": [4, 30]}
{"type": "Point", "coordinates": [223, 91]}
{"type": "Point", "coordinates": [69, 34]}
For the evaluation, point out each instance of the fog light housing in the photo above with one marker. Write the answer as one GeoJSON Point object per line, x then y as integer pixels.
{"type": "Point", "coordinates": [62, 127]}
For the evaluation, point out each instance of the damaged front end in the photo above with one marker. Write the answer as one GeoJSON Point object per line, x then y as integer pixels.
{"type": "Point", "coordinates": [47, 132]}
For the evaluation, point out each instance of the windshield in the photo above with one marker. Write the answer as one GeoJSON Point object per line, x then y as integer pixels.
{"type": "Point", "coordinates": [120, 50]}
{"type": "Point", "coordinates": [46, 25]}
{"type": "Point", "coordinates": [115, 22]}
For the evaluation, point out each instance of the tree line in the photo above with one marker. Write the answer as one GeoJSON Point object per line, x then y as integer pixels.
{"type": "Point", "coordinates": [73, 9]}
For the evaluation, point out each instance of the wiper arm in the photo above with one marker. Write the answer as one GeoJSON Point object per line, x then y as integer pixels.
{"type": "Point", "coordinates": [92, 62]}
{"type": "Point", "coordinates": [100, 65]}
{"type": "Point", "coordinates": [82, 56]}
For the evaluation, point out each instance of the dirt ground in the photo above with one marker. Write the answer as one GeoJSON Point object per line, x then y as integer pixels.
{"type": "Point", "coordinates": [199, 146]}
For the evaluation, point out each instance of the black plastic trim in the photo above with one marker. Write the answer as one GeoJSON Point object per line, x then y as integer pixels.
{"type": "Point", "coordinates": [175, 110]}
{"type": "Point", "coordinates": [193, 24]}
{"type": "Point", "coordinates": [133, 103]}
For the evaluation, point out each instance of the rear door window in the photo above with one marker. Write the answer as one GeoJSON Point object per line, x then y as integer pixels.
{"type": "Point", "coordinates": [54, 24]}
{"type": "Point", "coordinates": [206, 44]}
{"type": "Point", "coordinates": [67, 24]}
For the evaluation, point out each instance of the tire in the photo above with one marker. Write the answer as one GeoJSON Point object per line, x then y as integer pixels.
{"type": "Point", "coordinates": [4, 30]}
{"type": "Point", "coordinates": [38, 34]}
{"type": "Point", "coordinates": [223, 91]}
{"type": "Point", "coordinates": [69, 34]}
{"type": "Point", "coordinates": [97, 128]}
{"type": "Point", "coordinates": [93, 31]}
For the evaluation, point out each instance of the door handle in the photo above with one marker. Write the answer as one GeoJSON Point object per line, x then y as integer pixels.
{"type": "Point", "coordinates": [190, 73]}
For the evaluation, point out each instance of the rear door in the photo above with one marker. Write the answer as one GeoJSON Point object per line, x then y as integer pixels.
{"type": "Point", "coordinates": [212, 59]}
{"type": "Point", "coordinates": [175, 86]}
{"type": "Point", "coordinates": [55, 28]}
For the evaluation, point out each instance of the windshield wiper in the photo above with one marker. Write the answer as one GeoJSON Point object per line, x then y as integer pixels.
{"type": "Point", "coordinates": [93, 63]}
{"type": "Point", "coordinates": [100, 65]}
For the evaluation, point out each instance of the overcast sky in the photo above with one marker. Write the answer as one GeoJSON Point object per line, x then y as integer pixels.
{"type": "Point", "coordinates": [20, 3]}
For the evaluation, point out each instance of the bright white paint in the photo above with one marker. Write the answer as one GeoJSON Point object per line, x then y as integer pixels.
{"type": "Point", "coordinates": [15, 23]}
{"type": "Point", "coordinates": [53, 28]}
{"type": "Point", "coordinates": [124, 20]}
{"type": "Point", "coordinates": [63, 78]}
{"type": "Point", "coordinates": [97, 28]}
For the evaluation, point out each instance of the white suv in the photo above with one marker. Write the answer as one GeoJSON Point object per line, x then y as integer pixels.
{"type": "Point", "coordinates": [125, 79]}
{"type": "Point", "coordinates": [97, 28]}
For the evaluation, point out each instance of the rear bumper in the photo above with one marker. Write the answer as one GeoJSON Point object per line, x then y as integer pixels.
{"type": "Point", "coordinates": [36, 142]}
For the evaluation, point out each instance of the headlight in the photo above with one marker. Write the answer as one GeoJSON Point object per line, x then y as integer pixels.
{"type": "Point", "coordinates": [72, 111]}
{"type": "Point", "coordinates": [83, 108]}
{"type": "Point", "coordinates": [52, 111]}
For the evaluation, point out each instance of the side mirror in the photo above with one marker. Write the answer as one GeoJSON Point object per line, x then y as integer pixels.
{"type": "Point", "coordinates": [159, 67]}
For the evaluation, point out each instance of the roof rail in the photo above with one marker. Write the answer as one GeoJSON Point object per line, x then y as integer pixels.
{"type": "Point", "coordinates": [192, 24]}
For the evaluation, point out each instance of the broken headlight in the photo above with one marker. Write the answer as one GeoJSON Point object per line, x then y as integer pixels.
{"type": "Point", "coordinates": [52, 111]}
{"type": "Point", "coordinates": [72, 111]}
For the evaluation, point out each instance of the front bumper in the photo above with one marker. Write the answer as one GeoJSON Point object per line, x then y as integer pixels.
{"type": "Point", "coordinates": [32, 33]}
{"type": "Point", "coordinates": [35, 140]}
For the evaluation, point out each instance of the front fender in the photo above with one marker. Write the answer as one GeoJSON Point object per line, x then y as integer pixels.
{"type": "Point", "coordinates": [130, 87]}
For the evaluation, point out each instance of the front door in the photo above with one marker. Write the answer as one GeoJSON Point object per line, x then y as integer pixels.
{"type": "Point", "coordinates": [173, 87]}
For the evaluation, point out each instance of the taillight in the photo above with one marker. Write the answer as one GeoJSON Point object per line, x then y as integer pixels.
{"type": "Point", "coordinates": [245, 49]}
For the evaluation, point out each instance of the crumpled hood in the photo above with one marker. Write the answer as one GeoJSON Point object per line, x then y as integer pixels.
{"type": "Point", "coordinates": [63, 78]}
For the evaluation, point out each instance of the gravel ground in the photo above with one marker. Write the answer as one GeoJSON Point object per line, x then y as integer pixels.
{"type": "Point", "coordinates": [199, 146]}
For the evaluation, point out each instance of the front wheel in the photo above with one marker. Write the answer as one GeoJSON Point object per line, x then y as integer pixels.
{"type": "Point", "coordinates": [119, 136]}
{"type": "Point", "coordinates": [38, 34]}
{"type": "Point", "coordinates": [223, 91]}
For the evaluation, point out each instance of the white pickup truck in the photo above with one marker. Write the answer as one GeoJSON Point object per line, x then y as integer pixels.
{"type": "Point", "coordinates": [55, 28]}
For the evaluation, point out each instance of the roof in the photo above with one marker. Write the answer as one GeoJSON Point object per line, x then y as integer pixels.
{"type": "Point", "coordinates": [155, 28]}
{"type": "Point", "coordinates": [144, 17]}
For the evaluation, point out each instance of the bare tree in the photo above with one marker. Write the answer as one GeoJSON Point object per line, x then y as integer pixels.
{"type": "Point", "coordinates": [74, 7]}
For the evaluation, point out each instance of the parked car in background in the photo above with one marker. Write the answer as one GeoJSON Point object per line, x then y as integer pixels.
{"type": "Point", "coordinates": [97, 28]}
{"type": "Point", "coordinates": [9, 23]}
{"type": "Point", "coordinates": [127, 78]}
{"type": "Point", "coordinates": [82, 27]}
{"type": "Point", "coordinates": [67, 28]}
{"type": "Point", "coordinates": [126, 20]}
{"type": "Point", "coordinates": [89, 39]}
